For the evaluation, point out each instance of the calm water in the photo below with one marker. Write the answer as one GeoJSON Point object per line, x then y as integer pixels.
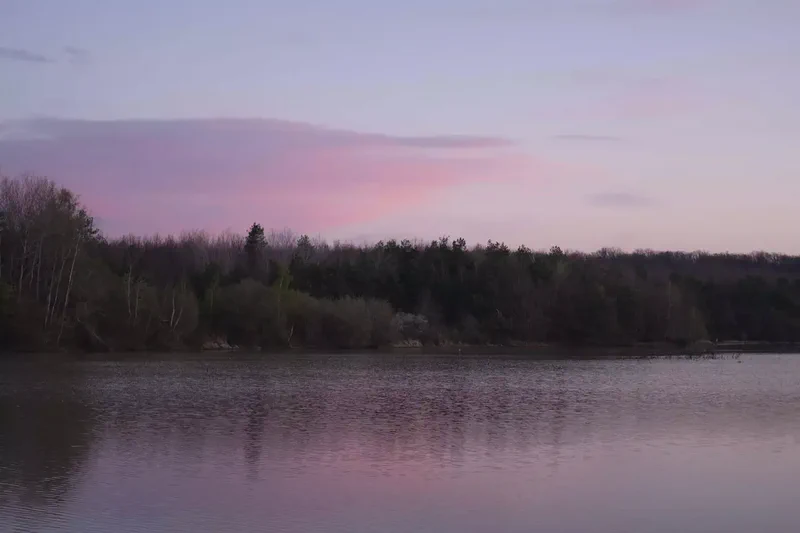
{"type": "Point", "coordinates": [375, 444]}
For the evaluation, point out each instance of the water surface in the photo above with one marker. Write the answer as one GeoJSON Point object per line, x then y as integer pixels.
{"type": "Point", "coordinates": [357, 444]}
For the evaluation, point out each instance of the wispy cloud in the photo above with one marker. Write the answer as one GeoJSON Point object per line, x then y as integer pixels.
{"type": "Point", "coordinates": [73, 54]}
{"type": "Point", "coordinates": [584, 137]}
{"type": "Point", "coordinates": [655, 6]}
{"type": "Point", "coordinates": [215, 174]}
{"type": "Point", "coordinates": [620, 200]}
{"type": "Point", "coordinates": [77, 56]}
{"type": "Point", "coordinates": [23, 55]}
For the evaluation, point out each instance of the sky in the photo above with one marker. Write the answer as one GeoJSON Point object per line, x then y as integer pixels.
{"type": "Point", "coordinates": [663, 124]}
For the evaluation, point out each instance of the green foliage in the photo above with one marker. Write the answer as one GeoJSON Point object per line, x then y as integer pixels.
{"type": "Point", "coordinates": [62, 285]}
{"type": "Point", "coordinates": [356, 323]}
{"type": "Point", "coordinates": [249, 314]}
{"type": "Point", "coordinates": [252, 314]}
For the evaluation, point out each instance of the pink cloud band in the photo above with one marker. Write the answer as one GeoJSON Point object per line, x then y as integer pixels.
{"type": "Point", "coordinates": [165, 176]}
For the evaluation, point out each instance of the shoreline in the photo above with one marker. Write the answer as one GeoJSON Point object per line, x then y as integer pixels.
{"type": "Point", "coordinates": [532, 351]}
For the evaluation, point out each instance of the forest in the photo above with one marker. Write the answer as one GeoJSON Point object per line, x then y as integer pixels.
{"type": "Point", "coordinates": [65, 286]}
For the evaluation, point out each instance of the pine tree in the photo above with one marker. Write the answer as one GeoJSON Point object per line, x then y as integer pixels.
{"type": "Point", "coordinates": [254, 247]}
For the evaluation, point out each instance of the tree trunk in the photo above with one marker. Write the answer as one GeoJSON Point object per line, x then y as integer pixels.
{"type": "Point", "coordinates": [36, 254]}
{"type": "Point", "coordinates": [172, 314]}
{"type": "Point", "coordinates": [93, 333]}
{"type": "Point", "coordinates": [22, 268]}
{"type": "Point", "coordinates": [136, 305]}
{"type": "Point", "coordinates": [178, 320]}
{"type": "Point", "coordinates": [47, 309]}
{"type": "Point", "coordinates": [58, 287]}
{"type": "Point", "coordinates": [69, 289]}
{"type": "Point", "coordinates": [128, 292]}
{"type": "Point", "coordinates": [39, 269]}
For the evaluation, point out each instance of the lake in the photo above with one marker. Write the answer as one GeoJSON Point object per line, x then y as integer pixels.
{"type": "Point", "coordinates": [392, 443]}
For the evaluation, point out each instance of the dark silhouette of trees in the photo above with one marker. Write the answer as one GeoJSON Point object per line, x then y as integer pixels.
{"type": "Point", "coordinates": [254, 246]}
{"type": "Point", "coordinates": [63, 285]}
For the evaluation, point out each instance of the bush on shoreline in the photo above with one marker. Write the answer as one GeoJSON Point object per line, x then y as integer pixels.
{"type": "Point", "coordinates": [64, 285]}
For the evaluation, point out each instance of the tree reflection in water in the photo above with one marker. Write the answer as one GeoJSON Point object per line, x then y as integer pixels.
{"type": "Point", "coordinates": [46, 433]}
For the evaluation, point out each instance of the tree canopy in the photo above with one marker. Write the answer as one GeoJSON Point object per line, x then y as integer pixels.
{"type": "Point", "coordinates": [64, 285]}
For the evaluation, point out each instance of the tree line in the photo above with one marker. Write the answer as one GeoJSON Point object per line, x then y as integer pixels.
{"type": "Point", "coordinates": [64, 285]}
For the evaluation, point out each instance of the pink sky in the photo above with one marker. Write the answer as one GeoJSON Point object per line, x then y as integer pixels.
{"type": "Point", "coordinates": [582, 123]}
{"type": "Point", "coordinates": [221, 174]}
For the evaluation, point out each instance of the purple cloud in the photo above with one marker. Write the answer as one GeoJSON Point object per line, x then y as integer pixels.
{"type": "Point", "coordinates": [20, 54]}
{"type": "Point", "coordinates": [167, 175]}
{"type": "Point", "coordinates": [77, 56]}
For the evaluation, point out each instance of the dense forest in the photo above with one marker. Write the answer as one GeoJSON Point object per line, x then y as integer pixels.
{"type": "Point", "coordinates": [63, 285]}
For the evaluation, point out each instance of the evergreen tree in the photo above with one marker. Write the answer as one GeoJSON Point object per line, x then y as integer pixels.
{"type": "Point", "coordinates": [254, 248]}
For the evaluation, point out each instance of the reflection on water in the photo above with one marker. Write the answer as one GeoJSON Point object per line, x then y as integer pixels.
{"type": "Point", "coordinates": [45, 428]}
{"type": "Point", "coordinates": [392, 444]}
